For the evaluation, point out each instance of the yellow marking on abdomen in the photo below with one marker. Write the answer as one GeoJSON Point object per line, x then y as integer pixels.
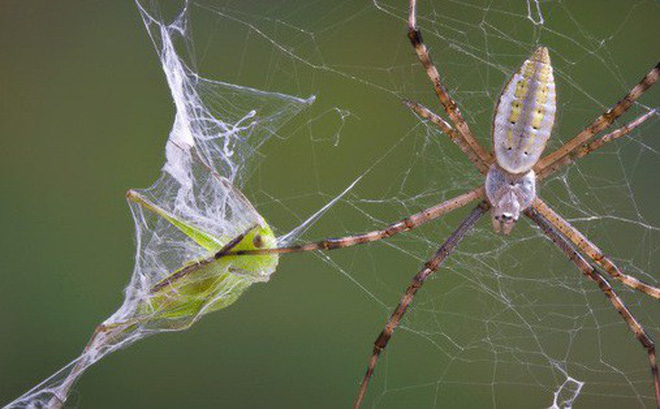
{"type": "Point", "coordinates": [528, 70]}
{"type": "Point", "coordinates": [537, 117]}
{"type": "Point", "coordinates": [544, 73]}
{"type": "Point", "coordinates": [525, 114]}
{"type": "Point", "coordinates": [542, 94]}
{"type": "Point", "coordinates": [521, 89]}
{"type": "Point", "coordinates": [516, 109]}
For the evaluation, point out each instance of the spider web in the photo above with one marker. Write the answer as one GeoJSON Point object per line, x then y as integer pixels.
{"type": "Point", "coordinates": [194, 209]}
{"type": "Point", "coordinates": [508, 322]}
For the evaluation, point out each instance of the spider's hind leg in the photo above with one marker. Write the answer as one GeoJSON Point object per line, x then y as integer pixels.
{"type": "Point", "coordinates": [590, 272]}
{"type": "Point", "coordinates": [591, 250]}
{"type": "Point", "coordinates": [430, 267]}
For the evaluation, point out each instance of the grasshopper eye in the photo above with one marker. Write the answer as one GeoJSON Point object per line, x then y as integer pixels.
{"type": "Point", "coordinates": [258, 241]}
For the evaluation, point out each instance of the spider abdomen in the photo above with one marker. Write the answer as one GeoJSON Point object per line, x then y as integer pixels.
{"type": "Point", "coordinates": [525, 114]}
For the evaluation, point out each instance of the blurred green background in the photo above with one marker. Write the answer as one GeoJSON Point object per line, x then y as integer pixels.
{"type": "Point", "coordinates": [85, 112]}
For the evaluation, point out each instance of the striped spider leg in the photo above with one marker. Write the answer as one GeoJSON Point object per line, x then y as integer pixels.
{"type": "Point", "coordinates": [579, 147]}
{"type": "Point", "coordinates": [483, 158]}
{"type": "Point", "coordinates": [522, 125]}
{"type": "Point", "coordinates": [591, 250]}
{"type": "Point", "coordinates": [602, 122]}
{"type": "Point", "coordinates": [576, 237]}
{"type": "Point", "coordinates": [448, 130]}
{"type": "Point", "coordinates": [588, 147]}
{"type": "Point", "coordinates": [430, 267]}
{"type": "Point", "coordinates": [407, 224]}
{"type": "Point", "coordinates": [602, 283]}
{"type": "Point", "coordinates": [463, 138]}
{"type": "Point", "coordinates": [523, 122]}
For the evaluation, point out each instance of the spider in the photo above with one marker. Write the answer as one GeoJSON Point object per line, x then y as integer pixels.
{"type": "Point", "coordinates": [522, 125]}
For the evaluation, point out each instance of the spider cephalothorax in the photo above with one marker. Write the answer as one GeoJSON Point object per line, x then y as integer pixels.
{"type": "Point", "coordinates": [509, 194]}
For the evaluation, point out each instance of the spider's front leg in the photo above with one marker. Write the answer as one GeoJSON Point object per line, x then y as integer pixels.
{"type": "Point", "coordinates": [595, 145]}
{"type": "Point", "coordinates": [602, 122]}
{"type": "Point", "coordinates": [409, 223]}
{"type": "Point", "coordinates": [463, 132]}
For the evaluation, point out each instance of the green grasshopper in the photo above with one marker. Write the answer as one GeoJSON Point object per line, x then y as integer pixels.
{"type": "Point", "coordinates": [211, 283]}
{"type": "Point", "coordinates": [196, 288]}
